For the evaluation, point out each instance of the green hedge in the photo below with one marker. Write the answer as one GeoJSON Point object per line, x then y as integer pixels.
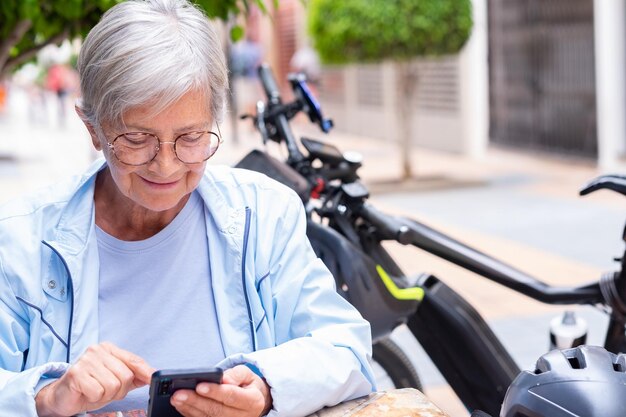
{"type": "Point", "coordinates": [345, 31]}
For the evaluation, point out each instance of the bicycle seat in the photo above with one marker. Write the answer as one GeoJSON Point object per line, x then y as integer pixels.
{"type": "Point", "coordinates": [610, 182]}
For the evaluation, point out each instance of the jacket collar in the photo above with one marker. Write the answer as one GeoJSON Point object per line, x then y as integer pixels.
{"type": "Point", "coordinates": [76, 221]}
{"type": "Point", "coordinates": [228, 274]}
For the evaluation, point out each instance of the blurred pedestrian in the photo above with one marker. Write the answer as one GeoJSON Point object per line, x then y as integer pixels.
{"type": "Point", "coordinates": [3, 97]}
{"type": "Point", "coordinates": [245, 57]}
{"type": "Point", "coordinates": [59, 81]}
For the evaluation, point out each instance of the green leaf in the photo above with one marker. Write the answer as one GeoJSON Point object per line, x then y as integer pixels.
{"type": "Point", "coordinates": [29, 9]}
{"type": "Point", "coordinates": [70, 9]}
{"type": "Point", "coordinates": [236, 33]}
{"type": "Point", "coordinates": [261, 5]}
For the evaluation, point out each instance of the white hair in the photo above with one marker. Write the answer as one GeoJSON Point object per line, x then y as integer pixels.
{"type": "Point", "coordinates": [150, 53]}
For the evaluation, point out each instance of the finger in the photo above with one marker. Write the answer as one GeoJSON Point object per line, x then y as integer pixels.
{"type": "Point", "coordinates": [142, 371]}
{"type": "Point", "coordinates": [232, 396]}
{"type": "Point", "coordinates": [240, 375]}
{"type": "Point", "coordinates": [190, 404]}
{"type": "Point", "coordinates": [255, 391]}
{"type": "Point", "coordinates": [87, 378]}
{"type": "Point", "coordinates": [113, 374]}
{"type": "Point", "coordinates": [115, 387]}
{"type": "Point", "coordinates": [90, 388]}
{"type": "Point", "coordinates": [124, 375]}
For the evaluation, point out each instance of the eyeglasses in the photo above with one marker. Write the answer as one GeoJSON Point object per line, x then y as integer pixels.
{"type": "Point", "coordinates": [140, 148]}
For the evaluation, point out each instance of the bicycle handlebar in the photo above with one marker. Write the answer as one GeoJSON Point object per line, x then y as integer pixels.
{"type": "Point", "coordinates": [269, 84]}
{"type": "Point", "coordinates": [276, 115]}
{"type": "Point", "coordinates": [610, 182]}
{"type": "Point", "coordinates": [387, 227]}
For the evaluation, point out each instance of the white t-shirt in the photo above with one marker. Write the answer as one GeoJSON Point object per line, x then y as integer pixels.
{"type": "Point", "coordinates": [156, 300]}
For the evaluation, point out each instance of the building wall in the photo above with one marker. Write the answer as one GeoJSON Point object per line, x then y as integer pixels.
{"type": "Point", "coordinates": [610, 64]}
{"type": "Point", "coordinates": [363, 99]}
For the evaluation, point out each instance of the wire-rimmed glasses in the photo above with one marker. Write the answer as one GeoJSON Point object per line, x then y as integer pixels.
{"type": "Point", "coordinates": [140, 148]}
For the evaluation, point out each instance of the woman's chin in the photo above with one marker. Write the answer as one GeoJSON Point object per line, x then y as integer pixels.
{"type": "Point", "coordinates": [161, 204]}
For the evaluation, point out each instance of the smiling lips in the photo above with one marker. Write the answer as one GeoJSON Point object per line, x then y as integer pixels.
{"type": "Point", "coordinates": [160, 185]}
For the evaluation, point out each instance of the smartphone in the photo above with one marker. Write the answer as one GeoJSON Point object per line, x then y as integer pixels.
{"type": "Point", "coordinates": [165, 382]}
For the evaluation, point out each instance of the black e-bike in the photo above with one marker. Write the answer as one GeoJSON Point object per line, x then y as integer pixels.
{"type": "Point", "coordinates": [347, 233]}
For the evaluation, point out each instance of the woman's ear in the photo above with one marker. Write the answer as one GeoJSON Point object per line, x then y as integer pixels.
{"type": "Point", "coordinates": [92, 131]}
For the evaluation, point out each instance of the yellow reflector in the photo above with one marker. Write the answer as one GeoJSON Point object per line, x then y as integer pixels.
{"type": "Point", "coordinates": [413, 293]}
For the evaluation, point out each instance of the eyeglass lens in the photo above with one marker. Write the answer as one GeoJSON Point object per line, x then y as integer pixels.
{"type": "Point", "coordinates": [138, 148]}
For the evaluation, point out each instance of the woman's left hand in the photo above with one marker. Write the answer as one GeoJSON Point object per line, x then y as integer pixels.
{"type": "Point", "coordinates": [242, 393]}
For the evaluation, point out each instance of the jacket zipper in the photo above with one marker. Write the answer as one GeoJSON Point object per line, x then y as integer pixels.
{"type": "Point", "coordinates": [70, 293]}
{"type": "Point", "coordinates": [243, 277]}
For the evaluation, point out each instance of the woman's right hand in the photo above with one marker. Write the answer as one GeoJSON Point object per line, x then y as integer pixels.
{"type": "Point", "coordinates": [104, 373]}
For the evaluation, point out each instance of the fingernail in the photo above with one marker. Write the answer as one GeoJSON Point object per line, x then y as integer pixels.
{"type": "Point", "coordinates": [181, 397]}
{"type": "Point", "coordinates": [203, 389]}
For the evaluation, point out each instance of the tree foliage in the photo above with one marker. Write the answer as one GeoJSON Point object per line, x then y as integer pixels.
{"type": "Point", "coordinates": [26, 26]}
{"type": "Point", "coordinates": [370, 31]}
{"type": "Point", "coordinates": [346, 31]}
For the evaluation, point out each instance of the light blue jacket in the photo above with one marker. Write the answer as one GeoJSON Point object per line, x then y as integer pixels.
{"type": "Point", "coordinates": [270, 292]}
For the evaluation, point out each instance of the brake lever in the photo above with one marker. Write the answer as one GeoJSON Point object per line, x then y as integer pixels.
{"type": "Point", "coordinates": [259, 121]}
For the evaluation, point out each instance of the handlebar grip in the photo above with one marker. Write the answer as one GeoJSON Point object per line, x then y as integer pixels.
{"type": "Point", "coordinates": [269, 83]}
{"type": "Point", "coordinates": [386, 226]}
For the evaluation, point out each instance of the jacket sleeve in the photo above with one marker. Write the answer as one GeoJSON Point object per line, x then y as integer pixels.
{"type": "Point", "coordinates": [17, 387]}
{"type": "Point", "coordinates": [323, 345]}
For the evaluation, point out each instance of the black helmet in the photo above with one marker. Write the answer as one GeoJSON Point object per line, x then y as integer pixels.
{"type": "Point", "coordinates": [586, 381]}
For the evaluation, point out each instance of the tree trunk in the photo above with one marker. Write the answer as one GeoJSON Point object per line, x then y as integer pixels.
{"type": "Point", "coordinates": [407, 82]}
{"type": "Point", "coordinates": [24, 56]}
{"type": "Point", "coordinates": [11, 40]}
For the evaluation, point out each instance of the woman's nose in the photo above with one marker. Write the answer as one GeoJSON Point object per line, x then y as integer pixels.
{"type": "Point", "coordinates": [166, 158]}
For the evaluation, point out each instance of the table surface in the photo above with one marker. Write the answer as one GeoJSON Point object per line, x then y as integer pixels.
{"type": "Point", "coordinates": [406, 402]}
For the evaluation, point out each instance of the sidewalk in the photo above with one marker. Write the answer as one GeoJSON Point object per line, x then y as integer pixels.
{"type": "Point", "coordinates": [37, 151]}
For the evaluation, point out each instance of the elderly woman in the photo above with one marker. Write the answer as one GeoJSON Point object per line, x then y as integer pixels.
{"type": "Point", "coordinates": [154, 260]}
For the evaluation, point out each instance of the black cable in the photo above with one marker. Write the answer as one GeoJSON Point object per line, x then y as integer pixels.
{"type": "Point", "coordinates": [611, 294]}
